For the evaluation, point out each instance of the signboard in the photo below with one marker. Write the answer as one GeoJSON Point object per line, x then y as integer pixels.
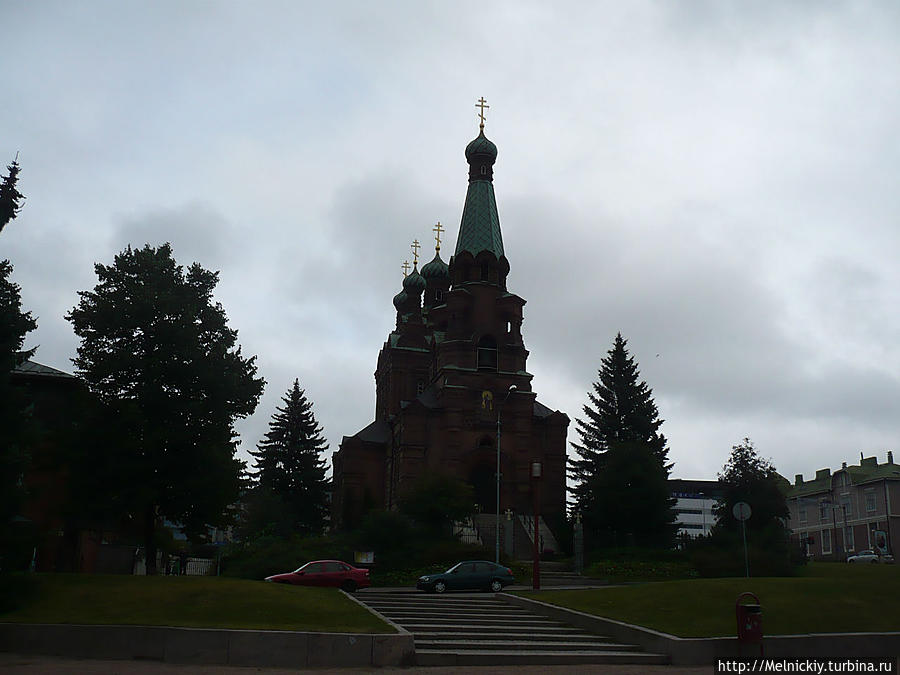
{"type": "Point", "coordinates": [880, 542]}
{"type": "Point", "coordinates": [364, 557]}
{"type": "Point", "coordinates": [741, 511]}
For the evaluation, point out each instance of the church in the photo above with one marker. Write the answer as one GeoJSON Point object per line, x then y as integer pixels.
{"type": "Point", "coordinates": [451, 382]}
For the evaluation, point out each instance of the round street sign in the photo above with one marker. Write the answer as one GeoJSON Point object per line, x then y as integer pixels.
{"type": "Point", "coordinates": [741, 511]}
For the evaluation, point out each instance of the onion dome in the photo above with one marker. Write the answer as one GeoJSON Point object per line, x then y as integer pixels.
{"type": "Point", "coordinates": [481, 149]}
{"type": "Point", "coordinates": [436, 270]}
{"type": "Point", "coordinates": [414, 283]}
{"type": "Point", "coordinates": [400, 299]}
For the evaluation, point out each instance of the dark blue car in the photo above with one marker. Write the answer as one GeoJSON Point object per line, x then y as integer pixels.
{"type": "Point", "coordinates": [469, 575]}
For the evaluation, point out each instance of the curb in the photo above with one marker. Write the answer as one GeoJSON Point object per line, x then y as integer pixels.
{"type": "Point", "coordinates": [705, 651]}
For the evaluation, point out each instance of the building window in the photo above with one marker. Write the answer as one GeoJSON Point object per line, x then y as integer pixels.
{"type": "Point", "coordinates": [846, 506]}
{"type": "Point", "coordinates": [826, 541]}
{"type": "Point", "coordinates": [824, 511]}
{"type": "Point", "coordinates": [487, 353]}
{"type": "Point", "coordinates": [420, 387]}
{"type": "Point", "coordinates": [802, 514]}
{"type": "Point", "coordinates": [438, 294]}
{"type": "Point", "coordinates": [848, 539]}
{"type": "Point", "coordinates": [870, 500]}
{"type": "Point", "coordinates": [485, 272]}
{"type": "Point", "coordinates": [695, 512]}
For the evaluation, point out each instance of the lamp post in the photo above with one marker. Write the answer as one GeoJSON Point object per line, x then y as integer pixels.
{"type": "Point", "coordinates": [512, 388]}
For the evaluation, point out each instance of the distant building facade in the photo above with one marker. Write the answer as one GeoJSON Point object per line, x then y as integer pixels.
{"type": "Point", "coordinates": [856, 507]}
{"type": "Point", "coordinates": [694, 502]}
{"type": "Point", "coordinates": [444, 377]}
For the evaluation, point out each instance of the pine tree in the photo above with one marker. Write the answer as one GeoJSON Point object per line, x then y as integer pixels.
{"type": "Point", "coordinates": [620, 476]}
{"type": "Point", "coordinates": [290, 472]}
{"type": "Point", "coordinates": [10, 197]}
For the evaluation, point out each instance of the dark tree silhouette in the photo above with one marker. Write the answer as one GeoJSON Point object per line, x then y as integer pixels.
{"type": "Point", "coordinates": [10, 198]}
{"type": "Point", "coordinates": [622, 466]}
{"type": "Point", "coordinates": [158, 353]}
{"type": "Point", "coordinates": [290, 471]}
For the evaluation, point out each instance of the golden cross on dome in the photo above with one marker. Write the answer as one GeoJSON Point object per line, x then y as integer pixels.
{"type": "Point", "coordinates": [437, 237]}
{"type": "Point", "coordinates": [415, 246]}
{"type": "Point", "coordinates": [481, 104]}
{"type": "Point", "coordinates": [405, 267]}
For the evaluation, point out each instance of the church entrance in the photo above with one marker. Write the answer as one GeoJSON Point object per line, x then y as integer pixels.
{"type": "Point", "coordinates": [483, 481]}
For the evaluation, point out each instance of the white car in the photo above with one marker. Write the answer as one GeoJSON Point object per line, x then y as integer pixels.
{"type": "Point", "coordinates": [870, 556]}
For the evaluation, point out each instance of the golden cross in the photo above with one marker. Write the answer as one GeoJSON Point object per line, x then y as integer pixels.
{"type": "Point", "coordinates": [405, 267]}
{"type": "Point", "coordinates": [481, 104]}
{"type": "Point", "coordinates": [415, 246]}
{"type": "Point", "coordinates": [438, 229]}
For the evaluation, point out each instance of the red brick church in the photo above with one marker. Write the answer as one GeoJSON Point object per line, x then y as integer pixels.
{"type": "Point", "coordinates": [445, 374]}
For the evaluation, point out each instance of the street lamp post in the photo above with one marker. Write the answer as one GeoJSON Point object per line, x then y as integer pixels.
{"type": "Point", "coordinates": [537, 473]}
{"type": "Point", "coordinates": [512, 388]}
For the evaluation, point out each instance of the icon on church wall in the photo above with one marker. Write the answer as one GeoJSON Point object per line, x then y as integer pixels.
{"type": "Point", "coordinates": [487, 400]}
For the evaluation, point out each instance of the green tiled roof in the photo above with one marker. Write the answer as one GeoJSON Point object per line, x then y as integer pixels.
{"type": "Point", "coordinates": [479, 229]}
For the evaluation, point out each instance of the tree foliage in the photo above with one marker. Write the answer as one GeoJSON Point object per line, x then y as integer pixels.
{"type": "Point", "coordinates": [747, 477]}
{"type": "Point", "coordinates": [435, 501]}
{"type": "Point", "coordinates": [158, 353]}
{"type": "Point", "coordinates": [290, 495]}
{"type": "Point", "coordinates": [14, 326]}
{"type": "Point", "coordinates": [622, 466]}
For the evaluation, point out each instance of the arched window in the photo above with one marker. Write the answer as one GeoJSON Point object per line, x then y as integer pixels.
{"type": "Point", "coordinates": [487, 353]}
{"type": "Point", "coordinates": [485, 272]}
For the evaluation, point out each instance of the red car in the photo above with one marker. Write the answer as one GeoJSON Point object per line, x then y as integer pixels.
{"type": "Point", "coordinates": [325, 573]}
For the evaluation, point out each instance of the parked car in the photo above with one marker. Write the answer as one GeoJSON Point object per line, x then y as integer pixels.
{"type": "Point", "coordinates": [325, 573]}
{"type": "Point", "coordinates": [468, 575]}
{"type": "Point", "coordinates": [869, 556]}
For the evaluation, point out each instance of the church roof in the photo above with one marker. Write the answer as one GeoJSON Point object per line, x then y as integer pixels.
{"type": "Point", "coordinates": [377, 432]}
{"type": "Point", "coordinates": [540, 410]}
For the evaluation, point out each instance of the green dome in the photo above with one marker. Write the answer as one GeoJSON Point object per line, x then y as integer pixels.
{"type": "Point", "coordinates": [481, 146]}
{"type": "Point", "coordinates": [414, 283]}
{"type": "Point", "coordinates": [437, 269]}
{"type": "Point", "coordinates": [400, 299]}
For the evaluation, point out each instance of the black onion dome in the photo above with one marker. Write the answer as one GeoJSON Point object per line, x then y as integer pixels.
{"type": "Point", "coordinates": [481, 147]}
{"type": "Point", "coordinates": [400, 299]}
{"type": "Point", "coordinates": [414, 283]}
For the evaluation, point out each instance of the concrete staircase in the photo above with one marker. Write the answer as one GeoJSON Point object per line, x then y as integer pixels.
{"type": "Point", "coordinates": [462, 629]}
{"type": "Point", "coordinates": [560, 575]}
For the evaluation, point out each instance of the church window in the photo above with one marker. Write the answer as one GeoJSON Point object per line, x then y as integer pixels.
{"type": "Point", "coordinates": [485, 272]}
{"type": "Point", "coordinates": [483, 170]}
{"type": "Point", "coordinates": [438, 294]}
{"type": "Point", "coordinates": [420, 387]}
{"type": "Point", "coordinates": [487, 353]}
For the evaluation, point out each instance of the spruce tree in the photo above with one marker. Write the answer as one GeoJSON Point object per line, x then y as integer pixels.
{"type": "Point", "coordinates": [290, 472]}
{"type": "Point", "coordinates": [622, 467]}
{"type": "Point", "coordinates": [10, 198]}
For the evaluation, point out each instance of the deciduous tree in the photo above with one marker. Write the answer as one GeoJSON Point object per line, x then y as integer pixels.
{"type": "Point", "coordinates": [157, 351]}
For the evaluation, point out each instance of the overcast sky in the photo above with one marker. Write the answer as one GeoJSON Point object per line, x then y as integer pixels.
{"type": "Point", "coordinates": [716, 180]}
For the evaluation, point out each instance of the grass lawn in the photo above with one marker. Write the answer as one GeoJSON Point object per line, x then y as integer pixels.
{"type": "Point", "coordinates": [197, 602]}
{"type": "Point", "coordinates": [825, 598]}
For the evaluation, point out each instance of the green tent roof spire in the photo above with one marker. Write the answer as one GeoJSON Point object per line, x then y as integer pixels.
{"type": "Point", "coordinates": [479, 229]}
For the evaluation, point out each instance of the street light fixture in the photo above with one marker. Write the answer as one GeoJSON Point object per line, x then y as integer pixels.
{"type": "Point", "coordinates": [512, 388]}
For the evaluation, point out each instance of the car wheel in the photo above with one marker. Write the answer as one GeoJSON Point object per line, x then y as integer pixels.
{"type": "Point", "coordinates": [440, 587]}
{"type": "Point", "coordinates": [874, 561]}
{"type": "Point", "coordinates": [348, 586]}
{"type": "Point", "coordinates": [496, 586]}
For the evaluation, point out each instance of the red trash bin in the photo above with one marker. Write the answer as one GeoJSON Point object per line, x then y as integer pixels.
{"type": "Point", "coordinates": [749, 622]}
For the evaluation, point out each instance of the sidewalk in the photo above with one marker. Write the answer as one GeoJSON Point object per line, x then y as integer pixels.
{"type": "Point", "coordinates": [14, 664]}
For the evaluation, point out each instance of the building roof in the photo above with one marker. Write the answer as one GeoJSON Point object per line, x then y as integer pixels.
{"type": "Point", "coordinates": [377, 432]}
{"type": "Point", "coordinates": [35, 369]}
{"type": "Point", "coordinates": [479, 228]}
{"type": "Point", "coordinates": [866, 471]}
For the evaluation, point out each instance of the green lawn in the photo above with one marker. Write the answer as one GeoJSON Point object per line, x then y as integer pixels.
{"type": "Point", "coordinates": [199, 602]}
{"type": "Point", "coordinates": [826, 598]}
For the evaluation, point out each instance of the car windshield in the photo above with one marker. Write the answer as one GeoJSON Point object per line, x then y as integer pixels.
{"type": "Point", "coordinates": [450, 571]}
{"type": "Point", "coordinates": [300, 569]}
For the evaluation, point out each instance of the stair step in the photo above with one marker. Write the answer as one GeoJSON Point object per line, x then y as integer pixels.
{"type": "Point", "coordinates": [431, 657]}
{"type": "Point", "coordinates": [572, 636]}
{"type": "Point", "coordinates": [520, 645]}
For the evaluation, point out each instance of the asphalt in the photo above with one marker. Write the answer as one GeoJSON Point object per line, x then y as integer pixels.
{"type": "Point", "coordinates": [15, 664]}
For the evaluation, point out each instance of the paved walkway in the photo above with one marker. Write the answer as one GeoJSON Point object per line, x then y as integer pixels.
{"type": "Point", "coordinates": [13, 664]}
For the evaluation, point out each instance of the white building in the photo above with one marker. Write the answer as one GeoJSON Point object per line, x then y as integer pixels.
{"type": "Point", "coordinates": [694, 502]}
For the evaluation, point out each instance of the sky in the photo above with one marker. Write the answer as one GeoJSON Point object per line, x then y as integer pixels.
{"type": "Point", "coordinates": [718, 181]}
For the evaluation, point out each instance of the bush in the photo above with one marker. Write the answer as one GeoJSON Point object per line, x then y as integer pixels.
{"type": "Point", "coordinates": [16, 590]}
